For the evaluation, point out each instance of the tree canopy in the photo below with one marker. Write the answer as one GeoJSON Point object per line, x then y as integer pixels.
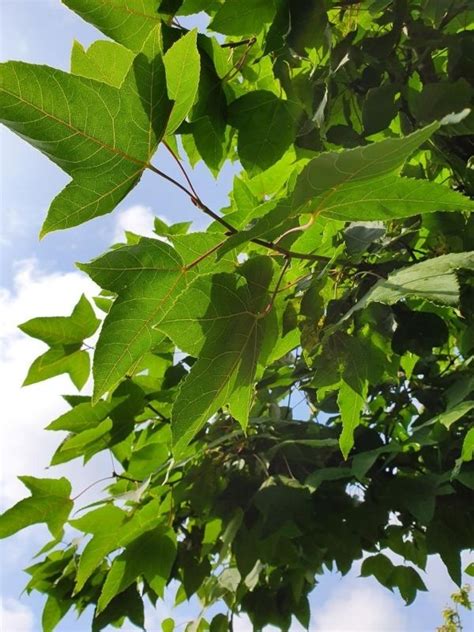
{"type": "Point", "coordinates": [291, 389]}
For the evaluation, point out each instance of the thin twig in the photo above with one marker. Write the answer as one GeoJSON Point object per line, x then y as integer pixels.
{"type": "Point", "coordinates": [101, 480]}
{"type": "Point", "coordinates": [250, 40]}
{"type": "Point", "coordinates": [182, 169]}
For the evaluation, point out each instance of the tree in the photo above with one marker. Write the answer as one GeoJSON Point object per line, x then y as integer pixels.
{"type": "Point", "coordinates": [291, 389]}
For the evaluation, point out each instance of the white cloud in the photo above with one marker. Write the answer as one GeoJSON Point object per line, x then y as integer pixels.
{"type": "Point", "coordinates": [16, 617]}
{"type": "Point", "coordinates": [26, 447]}
{"type": "Point", "coordinates": [136, 219]}
{"type": "Point", "coordinates": [360, 607]}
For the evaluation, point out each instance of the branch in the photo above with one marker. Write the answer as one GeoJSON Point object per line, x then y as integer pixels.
{"type": "Point", "coordinates": [196, 200]}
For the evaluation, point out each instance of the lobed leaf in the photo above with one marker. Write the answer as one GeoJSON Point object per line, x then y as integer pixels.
{"type": "Point", "coordinates": [102, 136]}
{"type": "Point", "coordinates": [224, 322]}
{"type": "Point", "coordinates": [49, 503]}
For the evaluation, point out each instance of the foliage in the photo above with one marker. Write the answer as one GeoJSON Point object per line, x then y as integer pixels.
{"type": "Point", "coordinates": [451, 616]}
{"type": "Point", "coordinates": [291, 389]}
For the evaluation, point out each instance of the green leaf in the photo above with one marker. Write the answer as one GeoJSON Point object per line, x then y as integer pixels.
{"type": "Point", "coordinates": [150, 556]}
{"type": "Point", "coordinates": [359, 236]}
{"type": "Point", "coordinates": [57, 361]}
{"type": "Point", "coordinates": [105, 525]}
{"type": "Point", "coordinates": [80, 444]}
{"type": "Point", "coordinates": [380, 567]}
{"type": "Point", "coordinates": [386, 198]}
{"type": "Point", "coordinates": [352, 394]}
{"type": "Point", "coordinates": [358, 185]}
{"type": "Point", "coordinates": [128, 22]}
{"type": "Point", "coordinates": [167, 625]}
{"type": "Point", "coordinates": [314, 480]}
{"type": "Point", "coordinates": [64, 330]}
{"type": "Point", "coordinates": [408, 582]}
{"type": "Point", "coordinates": [182, 64]}
{"type": "Point", "coordinates": [54, 610]}
{"type": "Point", "coordinates": [434, 280]}
{"type": "Point", "coordinates": [467, 453]}
{"type": "Point", "coordinates": [149, 278]}
{"type": "Point", "coordinates": [440, 99]}
{"type": "Point", "coordinates": [451, 415]}
{"type": "Point", "coordinates": [103, 60]}
{"type": "Point", "coordinates": [219, 623]}
{"type": "Point", "coordinates": [226, 320]}
{"type": "Point", "coordinates": [85, 415]}
{"type": "Point", "coordinates": [234, 18]}
{"type": "Point", "coordinates": [128, 604]}
{"type": "Point", "coordinates": [379, 108]}
{"type": "Point", "coordinates": [334, 171]}
{"type": "Point", "coordinates": [267, 127]}
{"type": "Point", "coordinates": [103, 137]}
{"type": "Point", "coordinates": [49, 502]}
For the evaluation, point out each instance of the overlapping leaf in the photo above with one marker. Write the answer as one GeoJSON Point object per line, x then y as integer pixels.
{"type": "Point", "coordinates": [151, 555]}
{"type": "Point", "coordinates": [267, 127]}
{"type": "Point", "coordinates": [359, 185]}
{"type": "Point", "coordinates": [149, 279]}
{"type": "Point", "coordinates": [102, 136]}
{"type": "Point", "coordinates": [223, 321]}
{"type": "Point", "coordinates": [70, 359]}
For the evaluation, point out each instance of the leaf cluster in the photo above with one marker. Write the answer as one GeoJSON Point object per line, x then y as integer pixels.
{"type": "Point", "coordinates": [289, 390]}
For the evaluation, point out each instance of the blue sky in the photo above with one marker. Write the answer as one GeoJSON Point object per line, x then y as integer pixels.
{"type": "Point", "coordinates": [39, 278]}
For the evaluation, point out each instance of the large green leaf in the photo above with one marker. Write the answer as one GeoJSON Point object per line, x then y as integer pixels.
{"type": "Point", "coordinates": [358, 185]}
{"type": "Point", "coordinates": [224, 323]}
{"type": "Point", "coordinates": [64, 330]}
{"type": "Point", "coordinates": [148, 278]}
{"type": "Point", "coordinates": [434, 280]}
{"type": "Point", "coordinates": [103, 137]}
{"type": "Point", "coordinates": [49, 502]}
{"type": "Point", "coordinates": [182, 66]}
{"type": "Point", "coordinates": [128, 22]}
{"type": "Point", "coordinates": [267, 127]}
{"type": "Point", "coordinates": [151, 556]}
